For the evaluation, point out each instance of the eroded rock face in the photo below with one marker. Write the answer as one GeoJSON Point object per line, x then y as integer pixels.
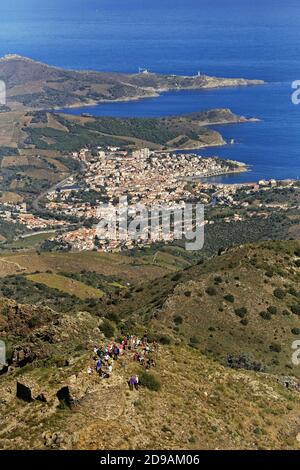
{"type": "Point", "coordinates": [21, 320]}
{"type": "Point", "coordinates": [22, 355]}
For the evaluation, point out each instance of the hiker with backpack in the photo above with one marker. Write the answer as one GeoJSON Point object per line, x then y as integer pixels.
{"type": "Point", "coordinates": [116, 352]}
{"type": "Point", "coordinates": [99, 366]}
{"type": "Point", "coordinates": [133, 382]}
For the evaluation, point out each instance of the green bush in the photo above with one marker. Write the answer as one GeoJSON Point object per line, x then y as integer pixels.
{"type": "Point", "coordinates": [194, 340]}
{"type": "Point", "coordinates": [275, 347]}
{"type": "Point", "coordinates": [150, 381]}
{"type": "Point", "coordinates": [296, 309]}
{"type": "Point", "coordinates": [266, 315]}
{"type": "Point", "coordinates": [33, 322]}
{"type": "Point", "coordinates": [295, 331]}
{"type": "Point", "coordinates": [114, 317]}
{"type": "Point", "coordinates": [272, 310]}
{"type": "Point", "coordinates": [279, 293]}
{"type": "Point", "coordinates": [229, 298]}
{"type": "Point", "coordinates": [108, 328]}
{"type": "Point", "coordinates": [269, 273]}
{"type": "Point", "coordinates": [178, 320]}
{"type": "Point", "coordinates": [241, 312]}
{"type": "Point", "coordinates": [211, 291]}
{"type": "Point", "coordinates": [293, 292]}
{"type": "Point", "coordinates": [176, 277]}
{"type": "Point", "coordinates": [163, 339]}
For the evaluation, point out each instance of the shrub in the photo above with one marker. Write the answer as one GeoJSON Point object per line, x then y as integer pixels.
{"type": "Point", "coordinates": [279, 293]}
{"type": "Point", "coordinates": [275, 347]}
{"type": "Point", "coordinates": [194, 340]}
{"type": "Point", "coordinates": [265, 315]}
{"type": "Point", "coordinates": [269, 273]}
{"type": "Point", "coordinates": [150, 381]}
{"type": "Point", "coordinates": [297, 263]}
{"type": "Point", "coordinates": [108, 328]}
{"type": "Point", "coordinates": [295, 331]}
{"type": "Point", "coordinates": [272, 310]}
{"type": "Point", "coordinates": [296, 309]}
{"type": "Point", "coordinates": [257, 431]}
{"type": "Point", "coordinates": [293, 292]}
{"type": "Point", "coordinates": [176, 277]}
{"type": "Point", "coordinates": [178, 320]}
{"type": "Point", "coordinates": [229, 298]}
{"type": "Point", "coordinates": [164, 340]}
{"type": "Point", "coordinates": [241, 312]}
{"type": "Point", "coordinates": [33, 322]}
{"type": "Point", "coordinates": [211, 291]}
{"type": "Point", "coordinates": [127, 295]}
{"type": "Point", "coordinates": [114, 317]}
{"type": "Point", "coordinates": [244, 322]}
{"type": "Point", "coordinates": [218, 280]}
{"type": "Point", "coordinates": [244, 362]}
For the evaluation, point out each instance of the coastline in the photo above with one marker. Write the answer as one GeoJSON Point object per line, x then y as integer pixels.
{"type": "Point", "coordinates": [243, 169]}
{"type": "Point", "coordinates": [98, 103]}
{"type": "Point", "coordinates": [153, 93]}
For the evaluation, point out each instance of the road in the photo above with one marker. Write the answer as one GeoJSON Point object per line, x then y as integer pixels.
{"type": "Point", "coordinates": [56, 186]}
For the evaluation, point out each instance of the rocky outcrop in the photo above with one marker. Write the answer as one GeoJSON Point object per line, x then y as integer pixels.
{"type": "Point", "coordinates": [290, 382]}
{"type": "Point", "coordinates": [22, 355]}
{"type": "Point", "coordinates": [27, 390]}
{"type": "Point", "coordinates": [22, 320]}
{"type": "Point", "coordinates": [59, 440]}
{"type": "Point", "coordinates": [68, 393]}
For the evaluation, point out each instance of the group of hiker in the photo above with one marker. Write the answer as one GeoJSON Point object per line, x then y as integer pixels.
{"type": "Point", "coordinates": [105, 356]}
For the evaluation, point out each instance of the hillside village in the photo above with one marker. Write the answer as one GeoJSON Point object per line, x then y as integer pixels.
{"type": "Point", "coordinates": [144, 177]}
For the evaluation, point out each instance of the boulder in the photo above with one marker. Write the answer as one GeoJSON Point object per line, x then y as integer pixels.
{"type": "Point", "coordinates": [28, 390]}
{"type": "Point", "coordinates": [25, 392]}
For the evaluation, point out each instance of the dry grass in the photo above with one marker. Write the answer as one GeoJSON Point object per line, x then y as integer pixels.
{"type": "Point", "coordinates": [64, 284]}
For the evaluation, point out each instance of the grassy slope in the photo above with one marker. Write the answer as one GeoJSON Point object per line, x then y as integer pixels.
{"type": "Point", "coordinates": [201, 405]}
{"type": "Point", "coordinates": [211, 323]}
{"type": "Point", "coordinates": [70, 286]}
{"type": "Point", "coordinates": [126, 267]}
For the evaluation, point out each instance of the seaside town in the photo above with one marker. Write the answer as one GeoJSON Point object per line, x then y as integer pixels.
{"type": "Point", "coordinates": [152, 179]}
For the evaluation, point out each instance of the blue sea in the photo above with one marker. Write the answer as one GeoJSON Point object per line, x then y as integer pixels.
{"type": "Point", "coordinates": [232, 38]}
